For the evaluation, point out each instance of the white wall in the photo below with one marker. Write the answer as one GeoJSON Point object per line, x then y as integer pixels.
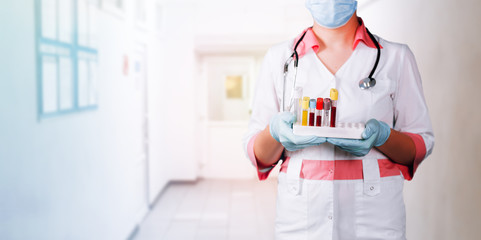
{"type": "Point", "coordinates": [443, 200]}
{"type": "Point", "coordinates": [178, 91]}
{"type": "Point", "coordinates": [77, 176]}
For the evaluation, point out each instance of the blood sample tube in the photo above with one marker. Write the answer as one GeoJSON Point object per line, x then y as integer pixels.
{"type": "Point", "coordinates": [312, 112]}
{"type": "Point", "coordinates": [305, 110]}
{"type": "Point", "coordinates": [297, 105]}
{"type": "Point", "coordinates": [319, 107]}
{"type": "Point", "coordinates": [327, 110]}
{"type": "Point", "coordinates": [334, 95]}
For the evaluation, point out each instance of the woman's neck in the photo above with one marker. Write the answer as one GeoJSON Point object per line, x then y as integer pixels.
{"type": "Point", "coordinates": [338, 37]}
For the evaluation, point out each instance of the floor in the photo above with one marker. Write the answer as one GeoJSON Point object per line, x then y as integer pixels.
{"type": "Point", "coordinates": [213, 209]}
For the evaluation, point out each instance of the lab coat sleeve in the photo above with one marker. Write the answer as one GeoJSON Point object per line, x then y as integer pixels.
{"type": "Point", "coordinates": [265, 105]}
{"type": "Point", "coordinates": [411, 114]}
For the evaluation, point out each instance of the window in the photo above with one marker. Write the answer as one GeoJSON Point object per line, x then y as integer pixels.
{"type": "Point", "coordinates": [66, 56]}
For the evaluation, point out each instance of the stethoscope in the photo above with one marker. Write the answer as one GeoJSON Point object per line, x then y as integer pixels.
{"type": "Point", "coordinates": [364, 84]}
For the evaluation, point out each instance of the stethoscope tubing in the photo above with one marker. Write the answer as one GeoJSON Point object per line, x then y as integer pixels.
{"type": "Point", "coordinates": [295, 57]}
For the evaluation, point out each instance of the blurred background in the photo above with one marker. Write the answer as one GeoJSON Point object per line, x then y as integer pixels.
{"type": "Point", "coordinates": [123, 119]}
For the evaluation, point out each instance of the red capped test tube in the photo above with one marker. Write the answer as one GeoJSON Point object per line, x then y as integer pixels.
{"type": "Point", "coordinates": [319, 107]}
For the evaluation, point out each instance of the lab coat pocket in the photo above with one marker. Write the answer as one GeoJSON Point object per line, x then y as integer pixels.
{"type": "Point", "coordinates": [372, 176]}
{"type": "Point", "coordinates": [382, 216]}
{"type": "Point", "coordinates": [291, 215]}
{"type": "Point", "coordinates": [353, 105]}
{"type": "Point", "coordinates": [381, 100]}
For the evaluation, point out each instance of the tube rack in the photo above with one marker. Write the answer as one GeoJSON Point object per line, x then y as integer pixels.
{"type": "Point", "coordinates": [342, 130]}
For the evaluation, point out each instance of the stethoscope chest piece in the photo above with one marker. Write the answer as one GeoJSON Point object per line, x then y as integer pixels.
{"type": "Point", "coordinates": [367, 83]}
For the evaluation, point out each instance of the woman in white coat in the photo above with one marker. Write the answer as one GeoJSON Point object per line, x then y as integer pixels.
{"type": "Point", "coordinates": [341, 188]}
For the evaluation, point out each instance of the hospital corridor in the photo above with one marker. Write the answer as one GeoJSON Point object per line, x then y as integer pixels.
{"type": "Point", "coordinates": [132, 119]}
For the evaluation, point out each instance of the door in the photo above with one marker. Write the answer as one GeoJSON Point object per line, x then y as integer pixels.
{"type": "Point", "coordinates": [227, 83]}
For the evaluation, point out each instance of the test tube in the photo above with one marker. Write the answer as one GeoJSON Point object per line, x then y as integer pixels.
{"type": "Point", "coordinates": [305, 109]}
{"type": "Point", "coordinates": [297, 104]}
{"type": "Point", "coordinates": [327, 110]}
{"type": "Point", "coordinates": [312, 112]}
{"type": "Point", "coordinates": [334, 95]}
{"type": "Point", "coordinates": [319, 107]}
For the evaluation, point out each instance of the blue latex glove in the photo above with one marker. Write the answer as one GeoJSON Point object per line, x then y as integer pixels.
{"type": "Point", "coordinates": [281, 130]}
{"type": "Point", "coordinates": [376, 134]}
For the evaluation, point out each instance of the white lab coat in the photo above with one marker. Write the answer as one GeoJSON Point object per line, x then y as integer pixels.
{"type": "Point", "coordinates": [368, 208]}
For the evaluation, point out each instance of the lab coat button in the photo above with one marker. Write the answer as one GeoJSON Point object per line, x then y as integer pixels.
{"type": "Point", "coordinates": [371, 188]}
{"type": "Point", "coordinates": [330, 217]}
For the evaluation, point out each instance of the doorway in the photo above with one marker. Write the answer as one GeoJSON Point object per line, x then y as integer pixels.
{"type": "Point", "coordinates": [227, 80]}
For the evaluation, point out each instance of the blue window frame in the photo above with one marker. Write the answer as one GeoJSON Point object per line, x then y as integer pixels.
{"type": "Point", "coordinates": [66, 56]}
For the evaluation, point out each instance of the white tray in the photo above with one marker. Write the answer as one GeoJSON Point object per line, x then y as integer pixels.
{"type": "Point", "coordinates": [342, 130]}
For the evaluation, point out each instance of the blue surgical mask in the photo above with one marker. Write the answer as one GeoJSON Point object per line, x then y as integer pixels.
{"type": "Point", "coordinates": [331, 13]}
